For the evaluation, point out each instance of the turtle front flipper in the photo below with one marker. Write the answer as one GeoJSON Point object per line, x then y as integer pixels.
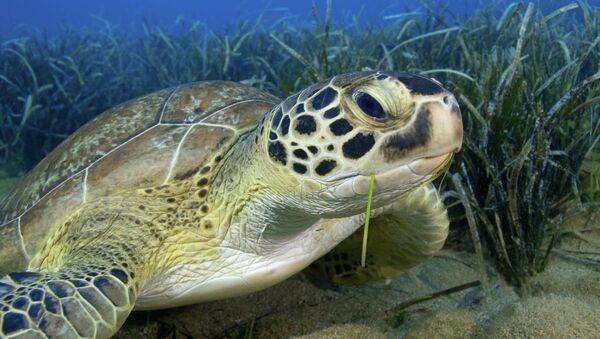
{"type": "Point", "coordinates": [410, 231]}
{"type": "Point", "coordinates": [74, 302]}
{"type": "Point", "coordinates": [85, 283]}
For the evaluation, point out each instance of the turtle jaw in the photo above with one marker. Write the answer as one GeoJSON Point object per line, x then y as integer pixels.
{"type": "Point", "coordinates": [391, 183]}
{"type": "Point", "coordinates": [431, 166]}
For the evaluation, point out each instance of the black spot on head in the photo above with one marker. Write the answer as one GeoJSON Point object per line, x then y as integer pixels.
{"type": "Point", "coordinates": [313, 149]}
{"type": "Point", "coordinates": [358, 146]}
{"type": "Point", "coordinates": [324, 98]}
{"type": "Point", "coordinates": [148, 190]}
{"type": "Point", "coordinates": [300, 108]}
{"type": "Point", "coordinates": [340, 127]}
{"type": "Point", "coordinates": [300, 154]}
{"type": "Point", "coordinates": [170, 200]}
{"type": "Point", "coordinates": [299, 168]}
{"type": "Point", "coordinates": [399, 144]}
{"type": "Point", "coordinates": [218, 158]}
{"type": "Point", "coordinates": [276, 119]}
{"type": "Point", "coordinates": [202, 182]}
{"type": "Point", "coordinates": [419, 84]}
{"type": "Point", "coordinates": [205, 170]}
{"type": "Point", "coordinates": [277, 152]}
{"type": "Point", "coordinates": [325, 167]}
{"type": "Point", "coordinates": [332, 112]}
{"type": "Point", "coordinates": [202, 193]}
{"type": "Point", "coordinates": [294, 143]}
{"type": "Point", "coordinates": [306, 124]}
{"type": "Point", "coordinates": [204, 209]}
{"type": "Point", "coordinates": [285, 125]}
{"type": "Point", "coordinates": [208, 225]}
{"type": "Point", "coordinates": [272, 135]}
{"type": "Point", "coordinates": [330, 148]}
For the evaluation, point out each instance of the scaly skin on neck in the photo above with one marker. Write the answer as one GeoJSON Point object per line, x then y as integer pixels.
{"type": "Point", "coordinates": [250, 219]}
{"type": "Point", "coordinates": [259, 206]}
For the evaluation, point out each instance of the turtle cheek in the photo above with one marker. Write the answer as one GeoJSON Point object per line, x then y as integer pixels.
{"type": "Point", "coordinates": [434, 134]}
{"type": "Point", "coordinates": [410, 141]}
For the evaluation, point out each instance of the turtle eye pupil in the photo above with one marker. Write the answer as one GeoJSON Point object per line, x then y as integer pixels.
{"type": "Point", "coordinates": [369, 105]}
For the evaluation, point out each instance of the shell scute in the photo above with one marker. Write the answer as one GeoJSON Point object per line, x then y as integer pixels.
{"type": "Point", "coordinates": [88, 144]}
{"type": "Point", "coordinates": [195, 102]}
{"type": "Point", "coordinates": [11, 249]}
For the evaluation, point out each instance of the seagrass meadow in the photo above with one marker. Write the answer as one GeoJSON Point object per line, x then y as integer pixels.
{"type": "Point", "coordinates": [527, 81]}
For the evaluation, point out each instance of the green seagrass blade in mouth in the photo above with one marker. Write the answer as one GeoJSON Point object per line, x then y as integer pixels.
{"type": "Point", "coordinates": [441, 171]}
{"type": "Point", "coordinates": [367, 218]}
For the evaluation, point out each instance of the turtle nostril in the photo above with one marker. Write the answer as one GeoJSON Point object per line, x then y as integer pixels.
{"type": "Point", "coordinates": [449, 99]}
{"type": "Point", "coordinates": [451, 103]}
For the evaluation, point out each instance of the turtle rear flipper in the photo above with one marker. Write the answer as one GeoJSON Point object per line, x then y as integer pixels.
{"type": "Point", "coordinates": [409, 232]}
{"type": "Point", "coordinates": [86, 285]}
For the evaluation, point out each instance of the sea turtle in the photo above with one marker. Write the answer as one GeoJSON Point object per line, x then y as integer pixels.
{"type": "Point", "coordinates": [216, 189]}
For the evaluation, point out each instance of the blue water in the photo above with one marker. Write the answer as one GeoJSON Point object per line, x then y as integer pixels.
{"type": "Point", "coordinates": [21, 17]}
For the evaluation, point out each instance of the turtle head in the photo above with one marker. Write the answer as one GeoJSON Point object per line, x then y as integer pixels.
{"type": "Point", "coordinates": [401, 127]}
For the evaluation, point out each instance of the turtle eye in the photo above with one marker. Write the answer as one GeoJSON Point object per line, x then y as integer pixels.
{"type": "Point", "coordinates": [369, 105]}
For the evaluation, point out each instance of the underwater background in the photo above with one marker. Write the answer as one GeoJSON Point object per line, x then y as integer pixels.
{"type": "Point", "coordinates": [19, 17]}
{"type": "Point", "coordinates": [523, 256]}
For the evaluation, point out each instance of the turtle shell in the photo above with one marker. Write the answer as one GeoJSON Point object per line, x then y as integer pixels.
{"type": "Point", "coordinates": [144, 142]}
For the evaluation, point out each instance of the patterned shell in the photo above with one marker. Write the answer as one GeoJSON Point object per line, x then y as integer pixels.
{"type": "Point", "coordinates": [143, 142]}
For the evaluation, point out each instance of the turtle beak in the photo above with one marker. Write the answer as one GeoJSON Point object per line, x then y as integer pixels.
{"type": "Point", "coordinates": [455, 118]}
{"type": "Point", "coordinates": [446, 125]}
{"type": "Point", "coordinates": [427, 166]}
